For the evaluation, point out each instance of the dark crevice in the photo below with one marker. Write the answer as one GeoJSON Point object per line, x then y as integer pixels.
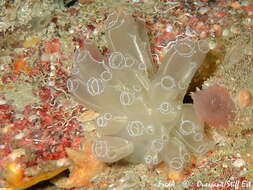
{"type": "Point", "coordinates": [69, 3]}
{"type": "Point", "coordinates": [205, 71]}
{"type": "Point", "coordinates": [187, 99]}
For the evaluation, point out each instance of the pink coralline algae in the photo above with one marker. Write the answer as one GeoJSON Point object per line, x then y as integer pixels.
{"type": "Point", "coordinates": [214, 106]}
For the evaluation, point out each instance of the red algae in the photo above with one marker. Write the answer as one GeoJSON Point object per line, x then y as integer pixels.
{"type": "Point", "coordinates": [52, 46]}
{"type": "Point", "coordinates": [214, 106]}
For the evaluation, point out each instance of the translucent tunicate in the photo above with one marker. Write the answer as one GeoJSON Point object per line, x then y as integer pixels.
{"type": "Point", "coordinates": [142, 115]}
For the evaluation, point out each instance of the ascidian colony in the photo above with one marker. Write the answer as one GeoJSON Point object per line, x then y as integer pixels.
{"type": "Point", "coordinates": [126, 95]}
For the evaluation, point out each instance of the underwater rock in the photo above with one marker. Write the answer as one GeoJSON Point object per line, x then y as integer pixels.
{"type": "Point", "coordinates": [142, 115]}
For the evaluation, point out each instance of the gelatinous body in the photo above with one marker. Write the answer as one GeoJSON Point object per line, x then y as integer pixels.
{"type": "Point", "coordinates": [214, 106]}
{"type": "Point", "coordinates": [142, 117]}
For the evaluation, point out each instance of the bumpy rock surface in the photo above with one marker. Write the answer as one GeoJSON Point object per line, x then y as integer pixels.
{"type": "Point", "coordinates": [142, 115]}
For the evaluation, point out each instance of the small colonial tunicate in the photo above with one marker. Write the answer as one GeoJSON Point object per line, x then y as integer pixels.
{"type": "Point", "coordinates": [142, 115]}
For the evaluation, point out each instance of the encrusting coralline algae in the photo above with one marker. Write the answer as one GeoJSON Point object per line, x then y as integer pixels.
{"type": "Point", "coordinates": [142, 115]}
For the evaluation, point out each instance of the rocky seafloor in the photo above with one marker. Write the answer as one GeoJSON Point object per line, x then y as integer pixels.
{"type": "Point", "coordinates": [45, 133]}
